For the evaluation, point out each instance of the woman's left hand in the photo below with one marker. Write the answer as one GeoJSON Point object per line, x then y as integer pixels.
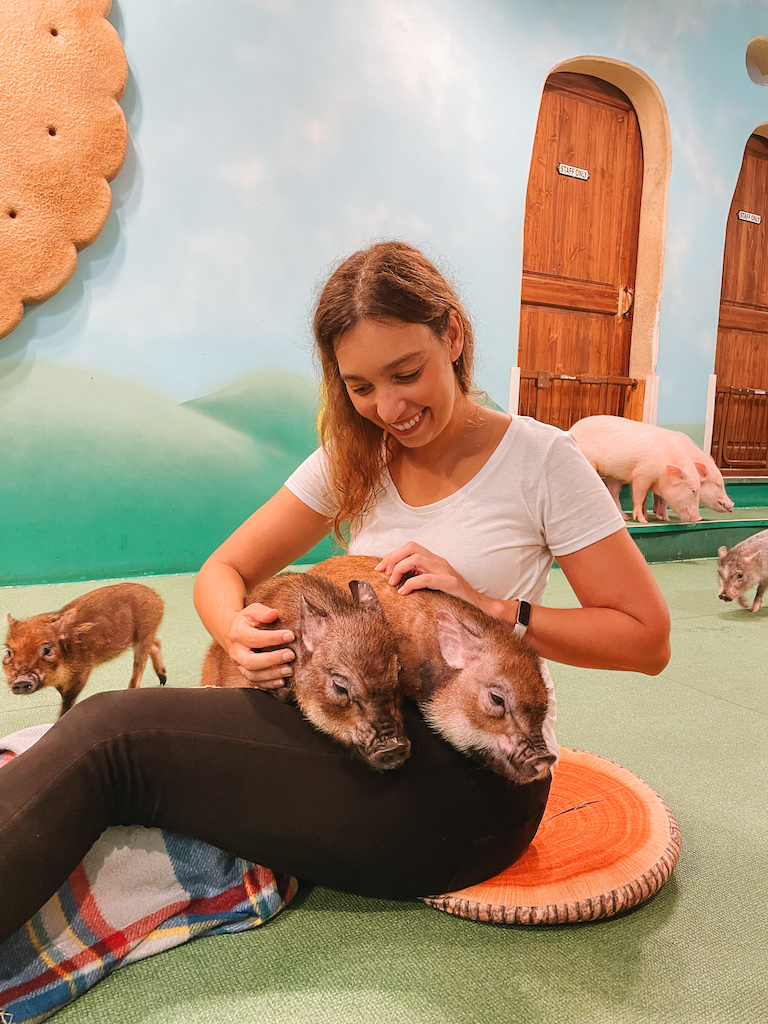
{"type": "Point", "coordinates": [429, 572]}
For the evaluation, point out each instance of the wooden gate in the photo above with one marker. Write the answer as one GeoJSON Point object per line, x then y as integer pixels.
{"type": "Point", "coordinates": [740, 433]}
{"type": "Point", "coordinates": [740, 430]}
{"type": "Point", "coordinates": [580, 253]}
{"type": "Point", "coordinates": [559, 398]}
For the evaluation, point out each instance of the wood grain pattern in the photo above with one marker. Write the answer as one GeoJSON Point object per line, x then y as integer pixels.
{"type": "Point", "coordinates": [580, 241]}
{"type": "Point", "coordinates": [741, 358]}
{"type": "Point", "coordinates": [607, 843]}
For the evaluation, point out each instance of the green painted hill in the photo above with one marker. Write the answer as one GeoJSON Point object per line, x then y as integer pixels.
{"type": "Point", "coordinates": [275, 407]}
{"type": "Point", "coordinates": [103, 479]}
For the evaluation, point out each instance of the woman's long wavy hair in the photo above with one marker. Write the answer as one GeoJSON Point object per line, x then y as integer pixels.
{"type": "Point", "coordinates": [387, 280]}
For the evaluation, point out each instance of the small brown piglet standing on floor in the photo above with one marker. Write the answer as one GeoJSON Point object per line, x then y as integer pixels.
{"type": "Point", "coordinates": [60, 648]}
{"type": "Point", "coordinates": [345, 675]}
{"type": "Point", "coordinates": [743, 567]}
{"type": "Point", "coordinates": [477, 685]}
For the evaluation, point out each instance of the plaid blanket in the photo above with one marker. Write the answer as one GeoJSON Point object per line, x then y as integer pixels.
{"type": "Point", "coordinates": [137, 892]}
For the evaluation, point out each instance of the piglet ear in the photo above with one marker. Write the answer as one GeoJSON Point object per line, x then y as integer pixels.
{"type": "Point", "coordinates": [458, 645]}
{"type": "Point", "coordinates": [311, 623]}
{"type": "Point", "coordinates": [722, 552]}
{"type": "Point", "coordinates": [701, 469]}
{"type": "Point", "coordinates": [64, 625]}
{"type": "Point", "coordinates": [10, 619]}
{"type": "Point", "coordinates": [674, 472]}
{"type": "Point", "coordinates": [364, 595]}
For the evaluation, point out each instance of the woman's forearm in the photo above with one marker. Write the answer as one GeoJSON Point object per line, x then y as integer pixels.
{"type": "Point", "coordinates": [219, 594]}
{"type": "Point", "coordinates": [276, 534]}
{"type": "Point", "coordinates": [594, 637]}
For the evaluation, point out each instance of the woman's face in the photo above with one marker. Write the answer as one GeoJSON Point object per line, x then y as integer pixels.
{"type": "Point", "coordinates": [399, 376]}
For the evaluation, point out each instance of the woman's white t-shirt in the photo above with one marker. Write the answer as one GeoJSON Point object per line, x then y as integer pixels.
{"type": "Point", "coordinates": [535, 498]}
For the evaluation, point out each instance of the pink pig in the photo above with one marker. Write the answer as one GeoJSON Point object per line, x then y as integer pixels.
{"type": "Point", "coordinates": [648, 457]}
{"type": "Point", "coordinates": [713, 493]}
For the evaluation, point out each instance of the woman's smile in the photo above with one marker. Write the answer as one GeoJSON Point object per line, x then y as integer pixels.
{"type": "Point", "coordinates": [407, 426]}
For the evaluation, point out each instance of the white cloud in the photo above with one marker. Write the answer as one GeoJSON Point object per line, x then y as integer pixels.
{"type": "Point", "coordinates": [245, 175]}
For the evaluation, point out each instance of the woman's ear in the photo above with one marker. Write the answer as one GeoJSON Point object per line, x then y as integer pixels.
{"type": "Point", "coordinates": [455, 335]}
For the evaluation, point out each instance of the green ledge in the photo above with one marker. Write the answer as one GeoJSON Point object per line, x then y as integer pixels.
{"type": "Point", "coordinates": [673, 541]}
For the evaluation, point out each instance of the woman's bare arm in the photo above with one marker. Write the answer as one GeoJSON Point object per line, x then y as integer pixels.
{"type": "Point", "coordinates": [623, 622]}
{"type": "Point", "coordinates": [278, 533]}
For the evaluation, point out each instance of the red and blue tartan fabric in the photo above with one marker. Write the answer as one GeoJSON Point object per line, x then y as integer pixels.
{"type": "Point", "coordinates": [138, 891]}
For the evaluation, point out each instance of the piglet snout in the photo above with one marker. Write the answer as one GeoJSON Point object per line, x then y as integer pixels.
{"type": "Point", "coordinates": [25, 684]}
{"type": "Point", "coordinates": [390, 752]}
{"type": "Point", "coordinates": [541, 765]}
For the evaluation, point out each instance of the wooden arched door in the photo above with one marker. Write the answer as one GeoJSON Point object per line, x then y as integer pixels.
{"type": "Point", "coordinates": [580, 254]}
{"type": "Point", "coordinates": [740, 429]}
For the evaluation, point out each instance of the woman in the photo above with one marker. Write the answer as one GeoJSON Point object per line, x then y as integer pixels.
{"type": "Point", "coordinates": [456, 496]}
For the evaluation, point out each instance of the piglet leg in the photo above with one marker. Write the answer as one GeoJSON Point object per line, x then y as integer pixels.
{"type": "Point", "coordinates": [157, 661]}
{"type": "Point", "coordinates": [73, 690]}
{"type": "Point", "coordinates": [140, 655]}
{"type": "Point", "coordinates": [757, 604]}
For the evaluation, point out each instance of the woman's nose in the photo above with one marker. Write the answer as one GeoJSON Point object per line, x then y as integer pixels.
{"type": "Point", "coordinates": [390, 407]}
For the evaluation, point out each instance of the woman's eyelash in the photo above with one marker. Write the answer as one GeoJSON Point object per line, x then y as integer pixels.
{"type": "Point", "coordinates": [401, 378]}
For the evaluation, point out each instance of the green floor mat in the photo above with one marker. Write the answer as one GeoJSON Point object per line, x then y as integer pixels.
{"type": "Point", "coordinates": [694, 954]}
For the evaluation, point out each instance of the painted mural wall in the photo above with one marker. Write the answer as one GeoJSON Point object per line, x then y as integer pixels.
{"type": "Point", "coordinates": [169, 387]}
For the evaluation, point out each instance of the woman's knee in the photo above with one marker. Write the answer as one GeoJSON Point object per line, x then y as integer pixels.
{"type": "Point", "coordinates": [105, 714]}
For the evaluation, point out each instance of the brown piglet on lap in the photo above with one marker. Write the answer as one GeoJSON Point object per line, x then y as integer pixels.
{"type": "Point", "coordinates": [61, 648]}
{"type": "Point", "coordinates": [345, 675]}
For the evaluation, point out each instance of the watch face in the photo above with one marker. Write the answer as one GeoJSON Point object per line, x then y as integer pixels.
{"type": "Point", "coordinates": [524, 613]}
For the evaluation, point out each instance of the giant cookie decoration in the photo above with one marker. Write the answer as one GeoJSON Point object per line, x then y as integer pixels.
{"type": "Point", "coordinates": [62, 139]}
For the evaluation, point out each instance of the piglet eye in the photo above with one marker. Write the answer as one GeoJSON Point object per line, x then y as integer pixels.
{"type": "Point", "coordinates": [342, 691]}
{"type": "Point", "coordinates": [45, 651]}
{"type": "Point", "coordinates": [8, 656]}
{"type": "Point", "coordinates": [497, 699]}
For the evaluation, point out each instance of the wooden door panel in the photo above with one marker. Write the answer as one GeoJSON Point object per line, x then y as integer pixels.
{"type": "Point", "coordinates": [745, 267]}
{"type": "Point", "coordinates": [580, 242]}
{"type": "Point", "coordinates": [565, 293]}
{"type": "Point", "coordinates": [576, 228]}
{"type": "Point", "coordinates": [573, 341]}
{"type": "Point", "coordinates": [739, 317]}
{"type": "Point", "coordinates": [743, 362]}
{"type": "Point", "coordinates": [740, 430]}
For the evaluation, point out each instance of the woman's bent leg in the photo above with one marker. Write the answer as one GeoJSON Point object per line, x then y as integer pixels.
{"type": "Point", "coordinates": [244, 772]}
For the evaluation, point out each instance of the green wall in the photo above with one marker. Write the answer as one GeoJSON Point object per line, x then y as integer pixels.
{"type": "Point", "coordinates": [104, 479]}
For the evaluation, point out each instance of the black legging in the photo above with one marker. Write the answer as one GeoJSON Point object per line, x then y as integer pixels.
{"type": "Point", "coordinates": [240, 770]}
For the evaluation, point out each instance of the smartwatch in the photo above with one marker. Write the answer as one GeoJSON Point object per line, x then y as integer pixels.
{"type": "Point", "coordinates": [523, 618]}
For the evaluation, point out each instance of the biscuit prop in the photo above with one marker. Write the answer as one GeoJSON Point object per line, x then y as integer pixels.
{"type": "Point", "coordinates": [63, 138]}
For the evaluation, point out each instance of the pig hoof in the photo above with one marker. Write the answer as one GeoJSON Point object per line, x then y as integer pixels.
{"type": "Point", "coordinates": [162, 677]}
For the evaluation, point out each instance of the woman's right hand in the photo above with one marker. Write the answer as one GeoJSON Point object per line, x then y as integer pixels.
{"type": "Point", "coordinates": [264, 669]}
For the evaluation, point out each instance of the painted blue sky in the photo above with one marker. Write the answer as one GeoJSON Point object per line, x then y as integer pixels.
{"type": "Point", "coordinates": [268, 138]}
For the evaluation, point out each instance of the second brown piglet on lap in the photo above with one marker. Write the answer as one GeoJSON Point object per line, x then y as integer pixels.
{"type": "Point", "coordinates": [476, 684]}
{"type": "Point", "coordinates": [61, 648]}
